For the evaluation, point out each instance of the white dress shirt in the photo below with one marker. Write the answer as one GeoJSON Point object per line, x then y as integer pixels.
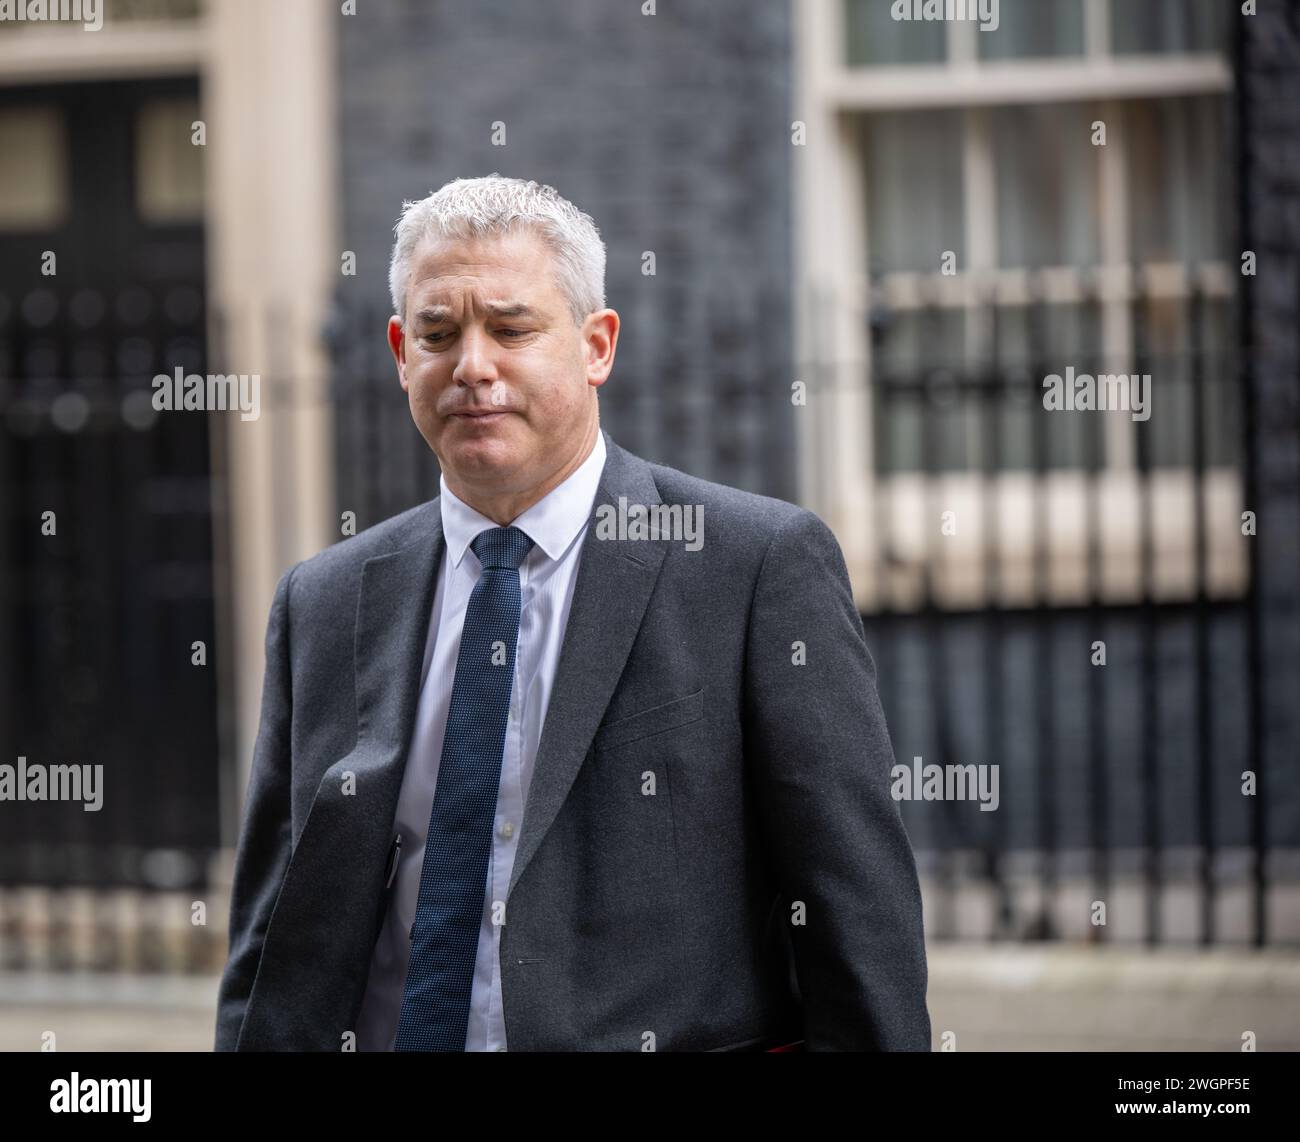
{"type": "Point", "coordinates": [557, 524]}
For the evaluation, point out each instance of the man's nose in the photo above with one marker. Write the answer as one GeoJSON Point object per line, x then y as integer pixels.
{"type": "Point", "coordinates": [477, 361]}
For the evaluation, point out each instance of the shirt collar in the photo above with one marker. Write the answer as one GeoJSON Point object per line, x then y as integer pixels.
{"type": "Point", "coordinates": [552, 523]}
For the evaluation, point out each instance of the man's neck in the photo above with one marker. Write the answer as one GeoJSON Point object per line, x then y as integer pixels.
{"type": "Point", "coordinates": [503, 509]}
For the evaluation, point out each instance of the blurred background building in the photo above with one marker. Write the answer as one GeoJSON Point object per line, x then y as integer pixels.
{"type": "Point", "coordinates": [872, 239]}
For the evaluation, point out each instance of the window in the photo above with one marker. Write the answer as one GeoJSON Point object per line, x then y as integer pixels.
{"type": "Point", "coordinates": [873, 37]}
{"type": "Point", "coordinates": [33, 168]}
{"type": "Point", "coordinates": [994, 207]}
{"type": "Point", "coordinates": [169, 166]}
{"type": "Point", "coordinates": [1048, 185]}
{"type": "Point", "coordinates": [1034, 28]}
{"type": "Point", "coordinates": [1154, 26]}
{"type": "Point", "coordinates": [914, 171]}
{"type": "Point", "coordinates": [1178, 192]}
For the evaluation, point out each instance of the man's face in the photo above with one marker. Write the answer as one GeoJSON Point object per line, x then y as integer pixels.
{"type": "Point", "coordinates": [488, 331]}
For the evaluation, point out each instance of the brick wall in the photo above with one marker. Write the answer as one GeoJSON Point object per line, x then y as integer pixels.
{"type": "Point", "coordinates": [1269, 208]}
{"type": "Point", "coordinates": [672, 131]}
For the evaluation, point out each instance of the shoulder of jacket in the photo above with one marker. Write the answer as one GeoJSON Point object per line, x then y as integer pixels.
{"type": "Point", "coordinates": [750, 511]}
{"type": "Point", "coordinates": [346, 557]}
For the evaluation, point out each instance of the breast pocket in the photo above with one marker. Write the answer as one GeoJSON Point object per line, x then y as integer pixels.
{"type": "Point", "coordinates": [647, 723]}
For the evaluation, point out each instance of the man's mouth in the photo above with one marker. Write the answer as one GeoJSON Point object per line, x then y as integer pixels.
{"type": "Point", "coordinates": [484, 417]}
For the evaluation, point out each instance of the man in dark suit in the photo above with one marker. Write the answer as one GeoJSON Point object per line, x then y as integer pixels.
{"type": "Point", "coordinates": [583, 754]}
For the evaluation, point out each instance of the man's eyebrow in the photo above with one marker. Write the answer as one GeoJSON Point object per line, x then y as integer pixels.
{"type": "Point", "coordinates": [432, 314]}
{"type": "Point", "coordinates": [512, 309]}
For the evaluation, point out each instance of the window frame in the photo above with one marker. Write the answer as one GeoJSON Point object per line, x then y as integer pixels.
{"type": "Point", "coordinates": [837, 472]}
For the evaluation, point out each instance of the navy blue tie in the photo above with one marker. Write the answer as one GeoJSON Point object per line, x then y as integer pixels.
{"type": "Point", "coordinates": [453, 881]}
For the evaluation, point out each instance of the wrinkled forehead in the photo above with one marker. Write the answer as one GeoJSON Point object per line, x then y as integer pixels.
{"type": "Point", "coordinates": [517, 251]}
{"type": "Point", "coordinates": [514, 267]}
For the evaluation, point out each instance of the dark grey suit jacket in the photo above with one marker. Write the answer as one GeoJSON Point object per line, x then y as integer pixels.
{"type": "Point", "coordinates": [759, 888]}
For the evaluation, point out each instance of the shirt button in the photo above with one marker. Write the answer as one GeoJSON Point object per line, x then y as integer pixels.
{"type": "Point", "coordinates": [507, 830]}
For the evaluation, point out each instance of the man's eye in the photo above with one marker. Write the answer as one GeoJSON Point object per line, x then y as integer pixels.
{"type": "Point", "coordinates": [515, 332]}
{"type": "Point", "coordinates": [433, 336]}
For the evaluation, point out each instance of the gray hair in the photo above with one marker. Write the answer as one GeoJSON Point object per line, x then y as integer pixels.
{"type": "Point", "coordinates": [472, 207]}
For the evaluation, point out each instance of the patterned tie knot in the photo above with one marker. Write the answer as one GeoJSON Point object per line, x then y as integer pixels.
{"type": "Point", "coordinates": [501, 547]}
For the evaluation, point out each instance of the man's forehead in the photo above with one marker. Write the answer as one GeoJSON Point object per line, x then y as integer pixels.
{"type": "Point", "coordinates": [442, 268]}
{"type": "Point", "coordinates": [512, 251]}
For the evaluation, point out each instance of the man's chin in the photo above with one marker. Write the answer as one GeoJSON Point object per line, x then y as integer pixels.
{"type": "Point", "coordinates": [480, 450]}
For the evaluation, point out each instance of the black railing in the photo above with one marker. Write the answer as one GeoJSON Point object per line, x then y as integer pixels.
{"type": "Point", "coordinates": [1120, 783]}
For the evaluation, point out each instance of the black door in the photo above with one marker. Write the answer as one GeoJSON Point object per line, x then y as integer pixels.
{"type": "Point", "coordinates": [98, 619]}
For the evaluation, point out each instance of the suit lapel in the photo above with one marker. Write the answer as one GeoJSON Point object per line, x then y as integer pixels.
{"type": "Point", "coordinates": [322, 933]}
{"type": "Point", "coordinates": [615, 580]}
{"type": "Point", "coordinates": [393, 615]}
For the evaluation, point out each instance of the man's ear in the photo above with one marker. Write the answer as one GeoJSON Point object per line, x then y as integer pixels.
{"type": "Point", "coordinates": [397, 343]}
{"type": "Point", "coordinates": [600, 336]}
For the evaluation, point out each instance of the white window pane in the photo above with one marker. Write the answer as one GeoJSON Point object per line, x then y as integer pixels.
{"type": "Point", "coordinates": [1177, 187]}
{"type": "Point", "coordinates": [915, 198]}
{"type": "Point", "coordinates": [33, 168]}
{"type": "Point", "coordinates": [872, 36]}
{"type": "Point", "coordinates": [1048, 181]}
{"type": "Point", "coordinates": [168, 165]}
{"type": "Point", "coordinates": [1155, 26]}
{"type": "Point", "coordinates": [1034, 28]}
